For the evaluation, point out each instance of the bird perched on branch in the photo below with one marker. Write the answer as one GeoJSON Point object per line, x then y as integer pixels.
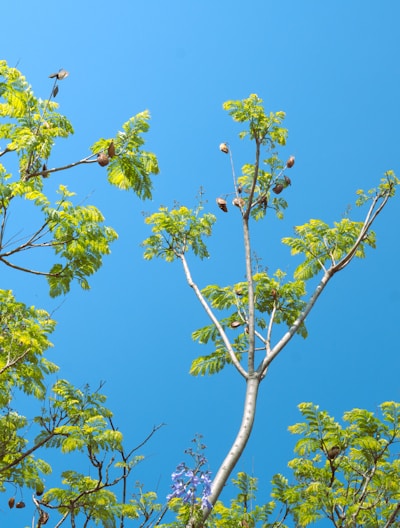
{"type": "Point", "coordinates": [60, 75]}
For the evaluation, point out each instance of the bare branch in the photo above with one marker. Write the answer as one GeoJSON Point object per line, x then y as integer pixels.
{"type": "Point", "coordinates": [371, 216]}
{"type": "Point", "coordinates": [393, 516]}
{"type": "Point", "coordinates": [213, 318]}
{"type": "Point", "coordinates": [88, 159]}
{"type": "Point", "coordinates": [27, 270]}
{"type": "Point", "coordinates": [13, 362]}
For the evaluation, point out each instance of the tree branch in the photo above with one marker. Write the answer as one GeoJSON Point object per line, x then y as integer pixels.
{"type": "Point", "coordinates": [238, 446]}
{"type": "Point", "coordinates": [27, 270]}
{"type": "Point", "coordinates": [213, 318]}
{"type": "Point", "coordinates": [393, 516]}
{"type": "Point", "coordinates": [88, 159]}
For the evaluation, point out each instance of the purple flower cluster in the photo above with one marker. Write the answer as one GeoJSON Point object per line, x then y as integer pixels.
{"type": "Point", "coordinates": [189, 484]}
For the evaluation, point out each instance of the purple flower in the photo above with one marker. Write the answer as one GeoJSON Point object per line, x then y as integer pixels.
{"type": "Point", "coordinates": [188, 483]}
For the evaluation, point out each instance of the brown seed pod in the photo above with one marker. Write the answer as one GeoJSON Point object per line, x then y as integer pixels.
{"type": "Point", "coordinates": [263, 200]}
{"type": "Point", "coordinates": [222, 204]}
{"type": "Point", "coordinates": [238, 202]}
{"type": "Point", "coordinates": [235, 324]}
{"type": "Point", "coordinates": [45, 174]}
{"type": "Point", "coordinates": [224, 148]}
{"type": "Point", "coordinates": [102, 159]}
{"type": "Point", "coordinates": [111, 149]}
{"type": "Point", "coordinates": [44, 517]}
{"type": "Point", "coordinates": [55, 91]}
{"type": "Point", "coordinates": [290, 162]}
{"type": "Point", "coordinates": [278, 188]}
{"type": "Point", "coordinates": [11, 502]}
{"type": "Point", "coordinates": [333, 452]}
{"type": "Point", "coordinates": [274, 293]}
{"type": "Point", "coordinates": [288, 181]}
{"type": "Point", "coordinates": [20, 504]}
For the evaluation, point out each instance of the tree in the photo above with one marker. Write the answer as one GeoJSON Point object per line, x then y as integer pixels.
{"type": "Point", "coordinates": [250, 310]}
{"type": "Point", "coordinates": [68, 419]}
{"type": "Point", "coordinates": [243, 316]}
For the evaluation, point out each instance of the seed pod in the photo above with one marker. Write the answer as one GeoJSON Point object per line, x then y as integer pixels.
{"type": "Point", "coordinates": [274, 293]}
{"type": "Point", "coordinates": [288, 181]}
{"type": "Point", "coordinates": [235, 324]}
{"type": "Point", "coordinates": [222, 204]}
{"type": "Point", "coordinates": [102, 159]}
{"type": "Point", "coordinates": [278, 188]}
{"type": "Point", "coordinates": [20, 504]}
{"type": "Point", "coordinates": [55, 91]}
{"type": "Point", "coordinates": [44, 517]}
{"type": "Point", "coordinates": [290, 162]}
{"type": "Point", "coordinates": [263, 200]}
{"type": "Point", "coordinates": [238, 202]}
{"type": "Point", "coordinates": [111, 149]}
{"type": "Point", "coordinates": [45, 174]}
{"type": "Point", "coordinates": [333, 452]}
{"type": "Point", "coordinates": [11, 502]}
{"type": "Point", "coordinates": [224, 148]}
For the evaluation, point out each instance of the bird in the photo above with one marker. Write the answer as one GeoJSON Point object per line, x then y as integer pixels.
{"type": "Point", "coordinates": [60, 75]}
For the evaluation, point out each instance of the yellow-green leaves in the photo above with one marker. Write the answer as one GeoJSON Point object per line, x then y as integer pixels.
{"type": "Point", "coordinates": [176, 231]}
{"type": "Point", "coordinates": [320, 244]}
{"type": "Point", "coordinates": [23, 341]}
{"type": "Point", "coordinates": [79, 239]}
{"type": "Point", "coordinates": [348, 474]}
{"type": "Point", "coordinates": [30, 125]}
{"type": "Point", "coordinates": [75, 234]}
{"type": "Point", "coordinates": [275, 301]}
{"type": "Point", "coordinates": [261, 127]}
{"type": "Point", "coordinates": [129, 166]}
{"type": "Point", "coordinates": [242, 510]}
{"type": "Point", "coordinates": [387, 186]}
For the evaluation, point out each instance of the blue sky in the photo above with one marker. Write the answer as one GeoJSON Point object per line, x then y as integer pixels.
{"type": "Point", "coordinates": [333, 68]}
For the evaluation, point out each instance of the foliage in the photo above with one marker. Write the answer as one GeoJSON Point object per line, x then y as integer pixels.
{"type": "Point", "coordinates": [63, 419]}
{"type": "Point", "coordinates": [348, 475]}
{"type": "Point", "coordinates": [75, 233]}
{"type": "Point", "coordinates": [244, 316]}
{"type": "Point", "coordinates": [242, 510]}
{"type": "Point", "coordinates": [177, 231]}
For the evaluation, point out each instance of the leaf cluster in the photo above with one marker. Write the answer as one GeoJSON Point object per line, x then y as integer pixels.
{"type": "Point", "coordinates": [130, 167]}
{"type": "Point", "coordinates": [261, 127]}
{"type": "Point", "coordinates": [176, 231]}
{"type": "Point", "coordinates": [320, 244]}
{"type": "Point", "coordinates": [75, 233]}
{"type": "Point", "coordinates": [276, 301]}
{"type": "Point", "coordinates": [349, 475]}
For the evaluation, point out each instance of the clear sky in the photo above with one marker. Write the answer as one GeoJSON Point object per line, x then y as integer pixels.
{"type": "Point", "coordinates": [333, 67]}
